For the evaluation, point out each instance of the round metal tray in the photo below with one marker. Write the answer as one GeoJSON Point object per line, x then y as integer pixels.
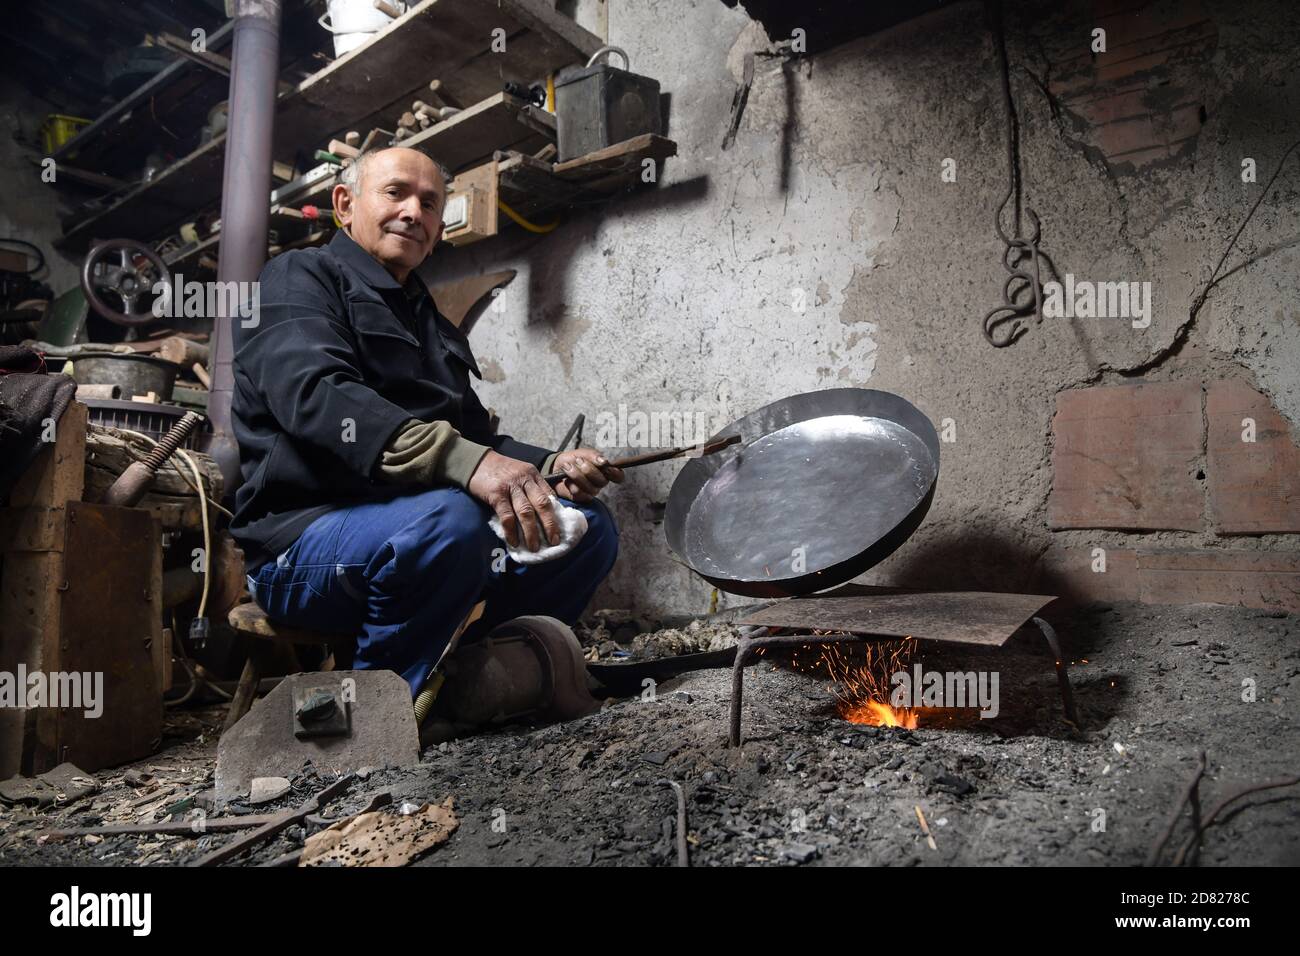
{"type": "Point", "coordinates": [824, 486]}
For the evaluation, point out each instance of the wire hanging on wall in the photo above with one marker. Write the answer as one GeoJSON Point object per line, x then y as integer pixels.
{"type": "Point", "coordinates": [1022, 292]}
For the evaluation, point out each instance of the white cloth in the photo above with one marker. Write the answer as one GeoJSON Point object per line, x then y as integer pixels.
{"type": "Point", "coordinates": [573, 525]}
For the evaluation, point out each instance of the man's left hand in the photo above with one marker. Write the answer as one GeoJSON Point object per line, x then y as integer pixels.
{"type": "Point", "coordinates": [587, 471]}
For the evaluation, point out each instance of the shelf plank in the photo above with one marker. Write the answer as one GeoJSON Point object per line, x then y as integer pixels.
{"type": "Point", "coordinates": [500, 122]}
{"type": "Point", "coordinates": [529, 187]}
{"type": "Point", "coordinates": [447, 39]}
{"type": "Point", "coordinates": [94, 145]}
{"type": "Point", "coordinates": [614, 167]}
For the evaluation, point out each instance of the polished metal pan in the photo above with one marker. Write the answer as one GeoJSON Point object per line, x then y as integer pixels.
{"type": "Point", "coordinates": [823, 486]}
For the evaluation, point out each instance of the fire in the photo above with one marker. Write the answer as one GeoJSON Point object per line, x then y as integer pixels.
{"type": "Point", "coordinates": [862, 684]}
{"type": "Point", "coordinates": [877, 713]}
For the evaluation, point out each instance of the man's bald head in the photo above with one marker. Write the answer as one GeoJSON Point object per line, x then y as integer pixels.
{"type": "Point", "coordinates": [390, 202]}
{"type": "Point", "coordinates": [355, 170]}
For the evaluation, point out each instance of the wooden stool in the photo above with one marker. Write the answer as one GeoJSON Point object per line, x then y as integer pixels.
{"type": "Point", "coordinates": [251, 621]}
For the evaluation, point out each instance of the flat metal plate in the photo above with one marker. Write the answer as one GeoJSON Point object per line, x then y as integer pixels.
{"type": "Point", "coordinates": [825, 485]}
{"type": "Point", "coordinates": [110, 617]}
{"type": "Point", "coordinates": [960, 617]}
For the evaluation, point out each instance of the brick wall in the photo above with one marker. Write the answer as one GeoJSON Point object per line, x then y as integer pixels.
{"type": "Point", "coordinates": [1141, 102]}
{"type": "Point", "coordinates": [1215, 459]}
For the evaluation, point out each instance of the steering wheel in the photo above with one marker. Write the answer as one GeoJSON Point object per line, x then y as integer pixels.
{"type": "Point", "coordinates": [128, 270]}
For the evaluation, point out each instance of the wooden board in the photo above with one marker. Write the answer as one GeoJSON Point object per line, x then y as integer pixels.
{"type": "Point", "coordinates": [479, 186]}
{"type": "Point", "coordinates": [32, 567]}
{"type": "Point", "coordinates": [617, 166]}
{"type": "Point", "coordinates": [500, 122]}
{"type": "Point", "coordinates": [445, 39]}
{"type": "Point", "coordinates": [538, 190]}
{"type": "Point", "coordinates": [531, 189]}
{"type": "Point", "coordinates": [55, 477]}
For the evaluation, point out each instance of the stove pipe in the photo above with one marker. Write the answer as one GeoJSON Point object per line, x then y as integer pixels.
{"type": "Point", "coordinates": [245, 198]}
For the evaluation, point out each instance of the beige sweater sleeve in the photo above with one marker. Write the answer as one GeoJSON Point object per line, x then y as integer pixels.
{"type": "Point", "coordinates": [429, 454]}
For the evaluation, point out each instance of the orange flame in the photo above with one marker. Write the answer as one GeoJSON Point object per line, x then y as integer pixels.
{"type": "Point", "coordinates": [876, 713]}
{"type": "Point", "coordinates": [862, 683]}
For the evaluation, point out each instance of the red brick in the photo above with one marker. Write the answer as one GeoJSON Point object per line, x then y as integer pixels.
{"type": "Point", "coordinates": [1128, 136]}
{"type": "Point", "coordinates": [1116, 67]}
{"type": "Point", "coordinates": [1264, 579]}
{"type": "Point", "coordinates": [1126, 457]}
{"type": "Point", "coordinates": [1254, 486]}
{"type": "Point", "coordinates": [1142, 157]}
{"type": "Point", "coordinates": [1180, 123]}
{"type": "Point", "coordinates": [1122, 105]}
{"type": "Point", "coordinates": [1136, 26]}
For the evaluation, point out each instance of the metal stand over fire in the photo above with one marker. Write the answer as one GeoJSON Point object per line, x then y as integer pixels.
{"type": "Point", "coordinates": [956, 617]}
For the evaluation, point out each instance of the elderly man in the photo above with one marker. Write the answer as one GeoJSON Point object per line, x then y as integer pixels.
{"type": "Point", "coordinates": [370, 468]}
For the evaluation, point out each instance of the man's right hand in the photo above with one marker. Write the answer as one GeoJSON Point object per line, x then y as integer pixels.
{"type": "Point", "coordinates": [521, 499]}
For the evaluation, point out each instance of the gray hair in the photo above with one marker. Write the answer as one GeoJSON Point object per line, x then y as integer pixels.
{"type": "Point", "coordinates": [352, 172]}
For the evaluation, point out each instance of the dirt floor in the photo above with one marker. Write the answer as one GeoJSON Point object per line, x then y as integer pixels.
{"type": "Point", "coordinates": [808, 787]}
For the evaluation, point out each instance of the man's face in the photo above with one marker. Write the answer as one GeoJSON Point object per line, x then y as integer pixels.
{"type": "Point", "coordinates": [395, 211]}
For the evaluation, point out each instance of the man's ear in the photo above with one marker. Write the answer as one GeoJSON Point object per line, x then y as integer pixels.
{"type": "Point", "coordinates": [437, 234]}
{"type": "Point", "coordinates": [342, 198]}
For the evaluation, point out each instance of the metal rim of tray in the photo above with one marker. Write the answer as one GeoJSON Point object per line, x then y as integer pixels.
{"type": "Point", "coordinates": [846, 558]}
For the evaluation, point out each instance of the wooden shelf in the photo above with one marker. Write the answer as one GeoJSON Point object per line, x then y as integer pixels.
{"type": "Point", "coordinates": [449, 40]}
{"type": "Point", "coordinates": [285, 220]}
{"type": "Point", "coordinates": [500, 122]}
{"type": "Point", "coordinates": [538, 190]}
{"type": "Point", "coordinates": [97, 147]}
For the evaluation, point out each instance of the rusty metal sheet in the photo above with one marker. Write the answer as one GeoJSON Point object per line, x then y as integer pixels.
{"type": "Point", "coordinates": [111, 619]}
{"type": "Point", "coordinates": [962, 617]}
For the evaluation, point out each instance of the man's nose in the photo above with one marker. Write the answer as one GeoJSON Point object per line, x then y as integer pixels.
{"type": "Point", "coordinates": [411, 209]}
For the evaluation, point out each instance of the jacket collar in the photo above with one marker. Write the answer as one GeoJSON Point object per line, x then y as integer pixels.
{"type": "Point", "coordinates": [345, 248]}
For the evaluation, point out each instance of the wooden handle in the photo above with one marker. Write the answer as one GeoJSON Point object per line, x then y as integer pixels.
{"type": "Point", "coordinates": [704, 448]}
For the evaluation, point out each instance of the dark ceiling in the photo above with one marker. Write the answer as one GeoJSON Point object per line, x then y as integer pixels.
{"type": "Point", "coordinates": [67, 51]}
{"type": "Point", "coordinates": [828, 23]}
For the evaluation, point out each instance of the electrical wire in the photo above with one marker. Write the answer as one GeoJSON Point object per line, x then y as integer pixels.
{"type": "Point", "coordinates": [1017, 249]}
{"type": "Point", "coordinates": [211, 504]}
{"type": "Point", "coordinates": [207, 533]}
{"type": "Point", "coordinates": [1215, 278]}
{"type": "Point", "coordinates": [530, 226]}
{"type": "Point", "coordinates": [197, 677]}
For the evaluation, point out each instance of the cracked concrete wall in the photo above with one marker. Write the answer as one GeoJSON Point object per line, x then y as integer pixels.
{"type": "Point", "coordinates": [684, 297]}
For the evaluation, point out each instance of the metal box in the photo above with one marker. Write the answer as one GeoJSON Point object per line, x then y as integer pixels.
{"type": "Point", "coordinates": [601, 105]}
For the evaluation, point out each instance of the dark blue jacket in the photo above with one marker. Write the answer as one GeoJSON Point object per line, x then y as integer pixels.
{"type": "Point", "coordinates": [338, 360]}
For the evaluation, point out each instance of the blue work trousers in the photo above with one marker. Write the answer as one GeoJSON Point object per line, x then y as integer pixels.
{"type": "Point", "coordinates": [400, 575]}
